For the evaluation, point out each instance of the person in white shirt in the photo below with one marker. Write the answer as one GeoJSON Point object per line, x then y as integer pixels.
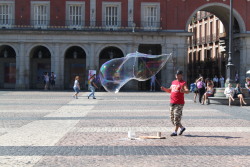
{"type": "Point", "coordinates": [229, 92]}
{"type": "Point", "coordinates": [76, 87]}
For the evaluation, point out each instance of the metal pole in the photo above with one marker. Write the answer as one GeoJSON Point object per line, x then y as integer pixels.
{"type": "Point", "coordinates": [230, 66]}
{"type": "Point", "coordinates": [230, 33]}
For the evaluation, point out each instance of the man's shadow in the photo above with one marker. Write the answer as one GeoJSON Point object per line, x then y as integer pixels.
{"type": "Point", "coordinates": [223, 137]}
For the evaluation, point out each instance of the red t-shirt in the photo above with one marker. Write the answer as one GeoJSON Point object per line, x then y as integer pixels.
{"type": "Point", "coordinates": [176, 96]}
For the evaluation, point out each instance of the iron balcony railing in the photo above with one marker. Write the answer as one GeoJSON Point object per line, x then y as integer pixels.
{"type": "Point", "coordinates": [81, 25]}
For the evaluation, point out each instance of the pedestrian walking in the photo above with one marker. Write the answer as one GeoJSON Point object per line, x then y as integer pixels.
{"type": "Point", "coordinates": [177, 90]}
{"type": "Point", "coordinates": [194, 89]}
{"type": "Point", "coordinates": [76, 87]}
{"type": "Point", "coordinates": [201, 88]}
{"type": "Point", "coordinates": [92, 86]}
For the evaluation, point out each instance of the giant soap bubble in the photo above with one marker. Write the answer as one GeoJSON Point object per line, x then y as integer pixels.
{"type": "Point", "coordinates": [117, 72]}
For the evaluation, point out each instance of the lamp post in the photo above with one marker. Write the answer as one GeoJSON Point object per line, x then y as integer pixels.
{"type": "Point", "coordinates": [230, 66]}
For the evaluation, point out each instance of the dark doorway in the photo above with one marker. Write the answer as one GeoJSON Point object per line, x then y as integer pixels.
{"type": "Point", "coordinates": [40, 62]}
{"type": "Point", "coordinates": [153, 49]}
{"type": "Point", "coordinates": [7, 67]}
{"type": "Point", "coordinates": [75, 65]}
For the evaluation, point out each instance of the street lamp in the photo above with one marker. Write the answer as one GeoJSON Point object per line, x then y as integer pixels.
{"type": "Point", "coordinates": [230, 66]}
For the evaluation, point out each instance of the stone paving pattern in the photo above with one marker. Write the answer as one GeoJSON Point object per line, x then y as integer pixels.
{"type": "Point", "coordinates": [51, 129]}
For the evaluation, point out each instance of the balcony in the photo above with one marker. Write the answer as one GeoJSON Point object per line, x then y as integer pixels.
{"type": "Point", "coordinates": [81, 25]}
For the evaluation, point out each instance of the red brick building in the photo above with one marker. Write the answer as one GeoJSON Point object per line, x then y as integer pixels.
{"type": "Point", "coordinates": [71, 37]}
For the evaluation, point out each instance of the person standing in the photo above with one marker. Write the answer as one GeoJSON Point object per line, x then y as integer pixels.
{"type": "Point", "coordinates": [193, 88]}
{"type": "Point", "coordinates": [216, 81]}
{"type": "Point", "coordinates": [76, 87]}
{"type": "Point", "coordinates": [222, 82]}
{"type": "Point", "coordinates": [152, 83]}
{"type": "Point", "coordinates": [177, 90]}
{"type": "Point", "coordinates": [46, 79]}
{"type": "Point", "coordinates": [52, 80]}
{"type": "Point", "coordinates": [201, 88]}
{"type": "Point", "coordinates": [92, 86]}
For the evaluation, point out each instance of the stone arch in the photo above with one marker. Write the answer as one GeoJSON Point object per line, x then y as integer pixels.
{"type": "Point", "coordinates": [30, 49]}
{"type": "Point", "coordinates": [72, 45]}
{"type": "Point", "coordinates": [114, 52]}
{"type": "Point", "coordinates": [222, 12]}
{"type": "Point", "coordinates": [99, 50]}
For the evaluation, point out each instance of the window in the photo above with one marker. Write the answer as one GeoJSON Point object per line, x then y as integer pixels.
{"type": "Point", "coordinates": [150, 15]}
{"type": "Point", "coordinates": [75, 14]}
{"type": "Point", "coordinates": [112, 14]}
{"type": "Point", "coordinates": [40, 13]}
{"type": "Point", "coordinates": [6, 14]}
{"type": "Point", "coordinates": [111, 18]}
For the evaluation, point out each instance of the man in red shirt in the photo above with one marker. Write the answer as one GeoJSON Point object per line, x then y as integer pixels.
{"type": "Point", "coordinates": [177, 90]}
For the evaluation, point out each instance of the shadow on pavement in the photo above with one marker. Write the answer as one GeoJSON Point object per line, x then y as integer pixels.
{"type": "Point", "coordinates": [225, 137]}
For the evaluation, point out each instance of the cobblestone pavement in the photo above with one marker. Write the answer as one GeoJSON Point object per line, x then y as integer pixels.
{"type": "Point", "coordinates": [51, 129]}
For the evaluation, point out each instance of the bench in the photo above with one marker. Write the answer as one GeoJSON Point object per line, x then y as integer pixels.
{"type": "Point", "coordinates": [224, 100]}
{"type": "Point", "coordinates": [220, 98]}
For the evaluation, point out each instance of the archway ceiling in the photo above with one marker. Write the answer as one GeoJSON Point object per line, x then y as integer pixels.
{"type": "Point", "coordinates": [220, 12]}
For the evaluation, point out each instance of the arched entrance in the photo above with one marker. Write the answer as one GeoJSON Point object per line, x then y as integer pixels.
{"type": "Point", "coordinates": [153, 49]}
{"type": "Point", "coordinates": [74, 65]}
{"type": "Point", "coordinates": [107, 54]}
{"type": "Point", "coordinates": [7, 67]}
{"type": "Point", "coordinates": [208, 46]}
{"type": "Point", "coordinates": [40, 63]}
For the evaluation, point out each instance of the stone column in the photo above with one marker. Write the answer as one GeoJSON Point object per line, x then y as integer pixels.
{"type": "Point", "coordinates": [56, 63]}
{"type": "Point", "coordinates": [20, 67]}
{"type": "Point", "coordinates": [91, 62]}
{"type": "Point", "coordinates": [26, 65]}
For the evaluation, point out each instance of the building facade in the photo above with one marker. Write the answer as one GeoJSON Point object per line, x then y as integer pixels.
{"type": "Point", "coordinates": [70, 37]}
{"type": "Point", "coordinates": [207, 50]}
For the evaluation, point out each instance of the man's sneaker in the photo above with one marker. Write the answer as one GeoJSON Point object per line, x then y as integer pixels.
{"type": "Point", "coordinates": [88, 97]}
{"type": "Point", "coordinates": [182, 130]}
{"type": "Point", "coordinates": [173, 134]}
{"type": "Point", "coordinates": [94, 98]}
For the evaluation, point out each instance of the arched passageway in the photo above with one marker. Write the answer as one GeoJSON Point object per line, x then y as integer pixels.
{"type": "Point", "coordinates": [40, 63]}
{"type": "Point", "coordinates": [75, 65]}
{"type": "Point", "coordinates": [7, 67]}
{"type": "Point", "coordinates": [208, 47]}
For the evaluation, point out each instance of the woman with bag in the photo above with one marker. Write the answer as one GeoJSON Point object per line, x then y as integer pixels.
{"type": "Point", "coordinates": [238, 93]}
{"type": "Point", "coordinates": [201, 88]}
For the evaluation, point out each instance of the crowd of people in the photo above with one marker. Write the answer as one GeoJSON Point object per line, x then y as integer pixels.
{"type": "Point", "coordinates": [205, 88]}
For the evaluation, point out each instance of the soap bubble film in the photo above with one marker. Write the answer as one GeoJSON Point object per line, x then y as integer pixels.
{"type": "Point", "coordinates": [117, 72]}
